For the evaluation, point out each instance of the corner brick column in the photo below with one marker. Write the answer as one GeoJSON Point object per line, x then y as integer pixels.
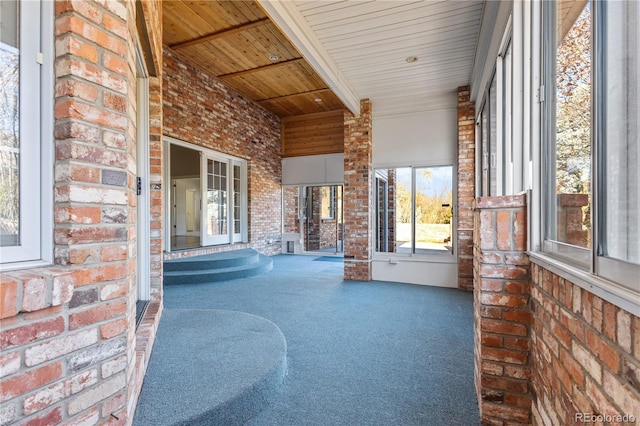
{"type": "Point", "coordinates": [357, 196]}
{"type": "Point", "coordinates": [502, 313]}
{"type": "Point", "coordinates": [571, 219]}
{"type": "Point", "coordinates": [466, 188]}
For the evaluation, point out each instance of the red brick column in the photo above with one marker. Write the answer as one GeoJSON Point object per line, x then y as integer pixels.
{"type": "Point", "coordinates": [358, 200]}
{"type": "Point", "coordinates": [571, 217]}
{"type": "Point", "coordinates": [502, 311]}
{"type": "Point", "coordinates": [466, 188]}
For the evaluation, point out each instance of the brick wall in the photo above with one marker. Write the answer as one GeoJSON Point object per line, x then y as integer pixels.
{"type": "Point", "coordinates": [466, 187]}
{"type": "Point", "coordinates": [502, 315]}
{"type": "Point", "coordinates": [586, 354]}
{"type": "Point", "coordinates": [357, 196]}
{"type": "Point", "coordinates": [199, 109]}
{"type": "Point", "coordinates": [546, 350]}
{"type": "Point", "coordinates": [67, 337]}
{"type": "Point", "coordinates": [291, 220]}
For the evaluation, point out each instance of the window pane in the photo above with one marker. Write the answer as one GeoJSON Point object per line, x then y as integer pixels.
{"type": "Point", "coordinates": [570, 148]}
{"type": "Point", "coordinates": [493, 138]}
{"type": "Point", "coordinates": [484, 141]}
{"type": "Point", "coordinates": [620, 143]}
{"type": "Point", "coordinates": [236, 199]}
{"type": "Point", "coordinates": [326, 194]}
{"type": "Point", "coordinates": [434, 198]}
{"type": "Point", "coordinates": [506, 120]}
{"type": "Point", "coordinates": [9, 124]}
{"type": "Point", "coordinates": [403, 209]}
{"type": "Point", "coordinates": [394, 210]}
{"type": "Point", "coordinates": [216, 199]}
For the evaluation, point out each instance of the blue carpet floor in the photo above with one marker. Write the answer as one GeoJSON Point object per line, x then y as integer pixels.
{"type": "Point", "coordinates": [359, 353]}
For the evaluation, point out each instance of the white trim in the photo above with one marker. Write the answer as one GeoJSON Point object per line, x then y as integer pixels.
{"type": "Point", "coordinates": [292, 23]}
{"type": "Point", "coordinates": [36, 143]}
{"type": "Point", "coordinates": [607, 290]}
{"type": "Point", "coordinates": [203, 149]}
{"type": "Point", "coordinates": [167, 185]}
{"type": "Point", "coordinates": [517, 93]}
{"type": "Point", "coordinates": [143, 202]}
{"type": "Point", "coordinates": [47, 151]}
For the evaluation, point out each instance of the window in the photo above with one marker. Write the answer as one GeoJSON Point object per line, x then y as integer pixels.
{"type": "Point", "coordinates": [414, 210]}
{"type": "Point", "coordinates": [25, 202]}
{"type": "Point", "coordinates": [496, 154]}
{"type": "Point", "coordinates": [327, 194]}
{"type": "Point", "coordinates": [591, 142]}
{"type": "Point", "coordinates": [488, 133]}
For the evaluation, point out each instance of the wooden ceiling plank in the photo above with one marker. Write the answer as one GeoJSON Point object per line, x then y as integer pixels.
{"type": "Point", "coordinates": [292, 95]}
{"type": "Point", "coordinates": [224, 33]}
{"type": "Point", "coordinates": [262, 68]}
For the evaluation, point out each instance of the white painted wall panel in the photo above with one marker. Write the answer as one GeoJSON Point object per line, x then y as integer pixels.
{"type": "Point", "coordinates": [426, 139]}
{"type": "Point", "coordinates": [412, 272]}
{"type": "Point", "coordinates": [313, 170]}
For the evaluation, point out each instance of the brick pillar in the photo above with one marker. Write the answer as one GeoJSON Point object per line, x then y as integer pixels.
{"type": "Point", "coordinates": [502, 313]}
{"type": "Point", "coordinates": [358, 199]}
{"type": "Point", "coordinates": [571, 229]}
{"type": "Point", "coordinates": [466, 188]}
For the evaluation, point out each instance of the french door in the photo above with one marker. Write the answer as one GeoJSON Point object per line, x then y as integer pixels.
{"type": "Point", "coordinates": [223, 184]}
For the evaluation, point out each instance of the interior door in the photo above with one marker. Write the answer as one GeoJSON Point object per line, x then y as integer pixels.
{"type": "Point", "coordinates": [216, 201]}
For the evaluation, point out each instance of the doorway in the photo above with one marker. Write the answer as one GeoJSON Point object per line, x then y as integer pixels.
{"type": "Point", "coordinates": [185, 197]}
{"type": "Point", "coordinates": [208, 197]}
{"type": "Point", "coordinates": [313, 219]}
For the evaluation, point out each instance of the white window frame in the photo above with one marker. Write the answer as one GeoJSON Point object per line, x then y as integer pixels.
{"type": "Point", "coordinates": [621, 285]}
{"type": "Point", "coordinates": [447, 256]}
{"type": "Point", "coordinates": [36, 143]}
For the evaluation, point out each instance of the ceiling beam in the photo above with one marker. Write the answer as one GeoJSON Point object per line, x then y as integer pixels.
{"type": "Point", "coordinates": [291, 22]}
{"type": "Point", "coordinates": [262, 68]}
{"type": "Point", "coordinates": [223, 33]}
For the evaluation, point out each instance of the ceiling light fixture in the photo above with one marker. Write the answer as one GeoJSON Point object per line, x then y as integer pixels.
{"type": "Point", "coordinates": [274, 58]}
{"type": "Point", "coordinates": [411, 59]}
{"type": "Point", "coordinates": [318, 100]}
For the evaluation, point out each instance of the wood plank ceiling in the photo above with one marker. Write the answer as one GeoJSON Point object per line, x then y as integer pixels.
{"type": "Point", "coordinates": [236, 42]}
{"type": "Point", "coordinates": [352, 49]}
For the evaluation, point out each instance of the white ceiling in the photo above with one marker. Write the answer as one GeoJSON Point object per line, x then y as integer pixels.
{"type": "Point", "coordinates": [359, 47]}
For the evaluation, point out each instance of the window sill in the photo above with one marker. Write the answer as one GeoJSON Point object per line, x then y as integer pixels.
{"type": "Point", "coordinates": [606, 290]}
{"type": "Point", "coordinates": [16, 266]}
{"type": "Point", "coordinates": [446, 257]}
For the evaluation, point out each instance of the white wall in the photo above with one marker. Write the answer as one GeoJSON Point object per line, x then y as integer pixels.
{"type": "Point", "coordinates": [425, 139]}
{"type": "Point", "coordinates": [313, 170]}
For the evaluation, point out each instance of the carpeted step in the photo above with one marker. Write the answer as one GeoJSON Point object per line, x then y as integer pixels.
{"type": "Point", "coordinates": [226, 259]}
{"type": "Point", "coordinates": [211, 367]}
{"type": "Point", "coordinates": [196, 276]}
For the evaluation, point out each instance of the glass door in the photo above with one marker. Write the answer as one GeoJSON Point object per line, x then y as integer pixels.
{"type": "Point", "coordinates": [217, 209]}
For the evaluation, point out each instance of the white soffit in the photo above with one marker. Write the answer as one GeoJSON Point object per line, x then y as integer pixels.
{"type": "Point", "coordinates": [365, 44]}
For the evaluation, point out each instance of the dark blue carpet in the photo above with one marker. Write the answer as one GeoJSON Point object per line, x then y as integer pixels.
{"type": "Point", "coordinates": [359, 353]}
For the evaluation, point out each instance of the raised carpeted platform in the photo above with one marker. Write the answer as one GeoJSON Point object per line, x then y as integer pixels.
{"type": "Point", "coordinates": [216, 267]}
{"type": "Point", "coordinates": [211, 367]}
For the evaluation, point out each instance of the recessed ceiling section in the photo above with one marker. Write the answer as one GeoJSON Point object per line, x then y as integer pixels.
{"type": "Point", "coordinates": [236, 42]}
